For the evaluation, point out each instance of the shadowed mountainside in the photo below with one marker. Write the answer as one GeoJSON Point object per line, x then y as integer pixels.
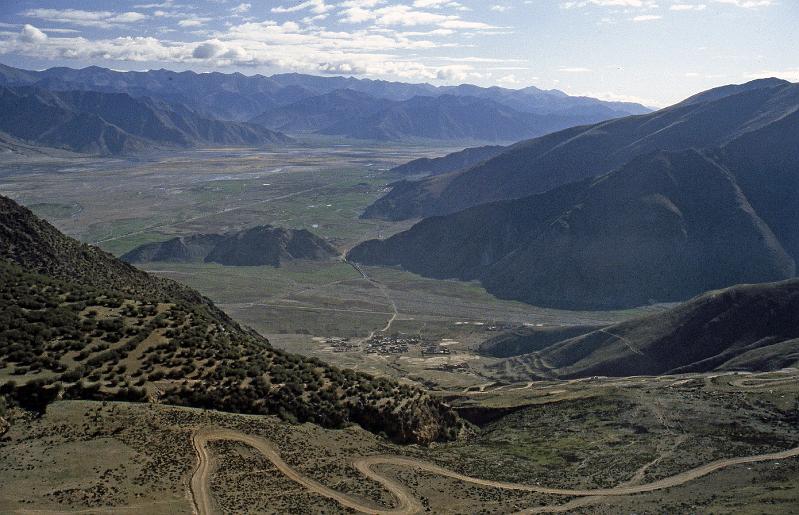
{"type": "Point", "coordinates": [466, 158]}
{"type": "Point", "coordinates": [665, 227]}
{"type": "Point", "coordinates": [115, 123]}
{"type": "Point", "coordinates": [711, 119]}
{"type": "Point", "coordinates": [743, 328]}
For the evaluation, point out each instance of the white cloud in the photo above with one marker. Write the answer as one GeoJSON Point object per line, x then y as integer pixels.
{"type": "Point", "coordinates": [574, 69]}
{"type": "Point", "coordinates": [31, 34]}
{"type": "Point", "coordinates": [609, 3]}
{"type": "Point", "coordinates": [208, 50]}
{"type": "Point", "coordinates": [315, 6]}
{"type": "Point", "coordinates": [241, 8]}
{"type": "Point", "coordinates": [193, 22]}
{"type": "Point", "coordinates": [747, 4]}
{"type": "Point", "coordinates": [100, 19]}
{"type": "Point", "coordinates": [688, 7]}
{"type": "Point", "coordinates": [647, 17]}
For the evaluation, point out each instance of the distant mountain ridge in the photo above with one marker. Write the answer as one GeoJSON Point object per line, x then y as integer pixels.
{"type": "Point", "coordinates": [257, 246]}
{"type": "Point", "coordinates": [115, 123]}
{"type": "Point", "coordinates": [711, 119]}
{"type": "Point", "coordinates": [239, 97]}
{"type": "Point", "coordinates": [450, 117]}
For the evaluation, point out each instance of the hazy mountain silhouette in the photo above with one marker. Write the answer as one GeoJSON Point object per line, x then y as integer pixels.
{"type": "Point", "coordinates": [239, 97]}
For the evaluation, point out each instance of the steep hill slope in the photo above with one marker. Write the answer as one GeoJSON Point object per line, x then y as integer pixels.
{"type": "Point", "coordinates": [526, 340]}
{"type": "Point", "coordinates": [115, 123]}
{"type": "Point", "coordinates": [712, 119]}
{"type": "Point", "coordinates": [664, 227]}
{"type": "Point", "coordinates": [76, 322]}
{"type": "Point", "coordinates": [257, 246]}
{"type": "Point", "coordinates": [267, 245]}
{"type": "Point", "coordinates": [751, 327]}
{"type": "Point", "coordinates": [466, 158]}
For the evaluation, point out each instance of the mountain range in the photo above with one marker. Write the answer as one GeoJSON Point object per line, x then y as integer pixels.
{"type": "Point", "coordinates": [743, 328]}
{"type": "Point", "coordinates": [115, 123]}
{"type": "Point", "coordinates": [357, 115]}
{"type": "Point", "coordinates": [346, 107]}
{"type": "Point", "coordinates": [257, 246]}
{"type": "Point", "coordinates": [239, 97]}
{"type": "Point", "coordinates": [76, 323]}
{"type": "Point", "coordinates": [662, 227]}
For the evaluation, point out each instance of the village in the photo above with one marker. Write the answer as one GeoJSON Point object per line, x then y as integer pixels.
{"type": "Point", "coordinates": [384, 344]}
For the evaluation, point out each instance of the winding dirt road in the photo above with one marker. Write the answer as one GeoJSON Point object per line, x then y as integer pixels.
{"type": "Point", "coordinates": [407, 503]}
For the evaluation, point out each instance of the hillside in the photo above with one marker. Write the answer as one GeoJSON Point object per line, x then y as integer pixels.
{"type": "Point", "coordinates": [77, 323]}
{"type": "Point", "coordinates": [526, 340]}
{"type": "Point", "coordinates": [663, 228]}
{"type": "Point", "coordinates": [712, 119]}
{"type": "Point", "coordinates": [743, 328]}
{"type": "Point", "coordinates": [466, 158]}
{"type": "Point", "coordinates": [115, 123]}
{"type": "Point", "coordinates": [183, 249]}
{"type": "Point", "coordinates": [257, 246]}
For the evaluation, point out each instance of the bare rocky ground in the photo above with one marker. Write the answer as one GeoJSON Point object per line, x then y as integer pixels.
{"type": "Point", "coordinates": [118, 457]}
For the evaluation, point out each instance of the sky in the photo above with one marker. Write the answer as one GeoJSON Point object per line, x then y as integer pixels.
{"type": "Point", "coordinates": [655, 52]}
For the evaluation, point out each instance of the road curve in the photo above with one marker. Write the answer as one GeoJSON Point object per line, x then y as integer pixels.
{"type": "Point", "coordinates": [204, 503]}
{"type": "Point", "coordinates": [406, 503]}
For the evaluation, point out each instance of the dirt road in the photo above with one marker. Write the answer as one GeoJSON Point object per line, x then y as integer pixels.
{"type": "Point", "coordinates": [406, 502]}
{"type": "Point", "coordinates": [383, 290]}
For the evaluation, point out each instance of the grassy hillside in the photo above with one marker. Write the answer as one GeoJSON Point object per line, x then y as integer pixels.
{"type": "Point", "coordinates": [78, 323]}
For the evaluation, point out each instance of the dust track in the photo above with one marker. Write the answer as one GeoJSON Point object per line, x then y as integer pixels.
{"type": "Point", "coordinates": [383, 291]}
{"type": "Point", "coordinates": [407, 503]}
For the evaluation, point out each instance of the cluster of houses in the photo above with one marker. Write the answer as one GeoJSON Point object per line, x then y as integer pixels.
{"type": "Point", "coordinates": [341, 344]}
{"type": "Point", "coordinates": [390, 344]}
{"type": "Point", "coordinates": [435, 350]}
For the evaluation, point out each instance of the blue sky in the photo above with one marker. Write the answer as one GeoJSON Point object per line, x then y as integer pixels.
{"type": "Point", "coordinates": [651, 51]}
